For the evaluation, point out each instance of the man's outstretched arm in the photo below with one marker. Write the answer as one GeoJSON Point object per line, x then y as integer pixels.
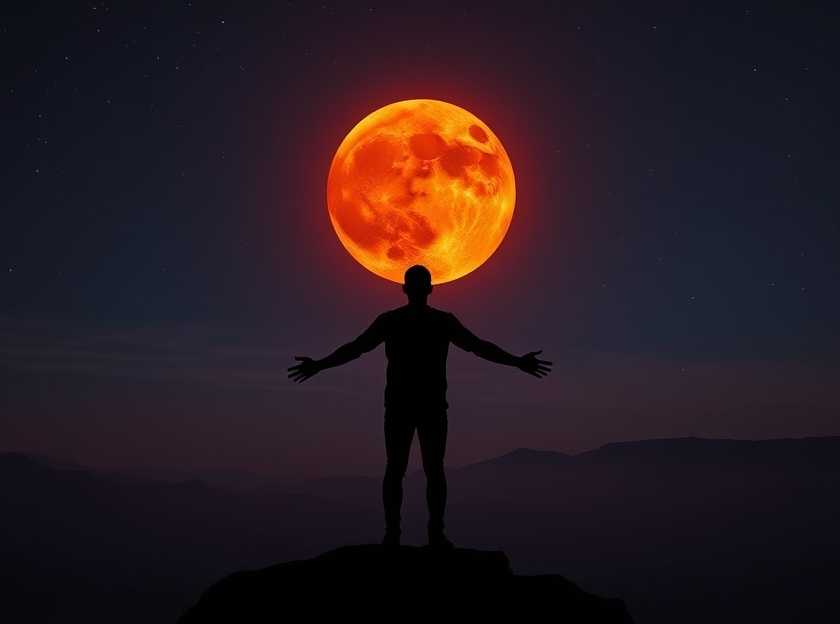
{"type": "Point", "coordinates": [368, 341]}
{"type": "Point", "coordinates": [468, 341]}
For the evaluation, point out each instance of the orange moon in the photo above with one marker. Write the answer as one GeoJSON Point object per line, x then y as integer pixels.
{"type": "Point", "coordinates": [421, 182]}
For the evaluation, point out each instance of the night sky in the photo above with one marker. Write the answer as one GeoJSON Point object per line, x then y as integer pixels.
{"type": "Point", "coordinates": [166, 250]}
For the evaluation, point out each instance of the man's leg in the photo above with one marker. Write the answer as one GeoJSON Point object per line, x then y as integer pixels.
{"type": "Point", "coordinates": [399, 432]}
{"type": "Point", "coordinates": [431, 431]}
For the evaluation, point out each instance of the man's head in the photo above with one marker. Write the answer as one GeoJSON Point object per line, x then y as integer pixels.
{"type": "Point", "coordinates": [418, 283]}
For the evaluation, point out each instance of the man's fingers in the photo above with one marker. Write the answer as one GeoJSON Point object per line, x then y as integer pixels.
{"type": "Point", "coordinates": [546, 362]}
{"type": "Point", "coordinates": [538, 371]}
{"type": "Point", "coordinates": [298, 374]}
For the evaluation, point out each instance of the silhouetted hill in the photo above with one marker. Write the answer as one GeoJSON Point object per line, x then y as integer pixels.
{"type": "Point", "coordinates": [687, 530]}
{"type": "Point", "coordinates": [737, 529]}
{"type": "Point", "coordinates": [528, 457]}
{"type": "Point", "coordinates": [792, 453]}
{"type": "Point", "coordinates": [371, 583]}
{"type": "Point", "coordinates": [77, 545]}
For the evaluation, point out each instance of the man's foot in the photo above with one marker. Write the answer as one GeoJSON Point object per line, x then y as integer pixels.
{"type": "Point", "coordinates": [437, 539]}
{"type": "Point", "coordinates": [392, 538]}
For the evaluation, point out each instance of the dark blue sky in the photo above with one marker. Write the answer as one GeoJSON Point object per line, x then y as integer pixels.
{"type": "Point", "coordinates": [166, 249]}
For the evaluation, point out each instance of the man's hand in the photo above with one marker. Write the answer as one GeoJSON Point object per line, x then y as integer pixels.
{"type": "Point", "coordinates": [534, 366]}
{"type": "Point", "coordinates": [303, 371]}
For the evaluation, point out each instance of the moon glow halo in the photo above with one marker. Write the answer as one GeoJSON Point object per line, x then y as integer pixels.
{"type": "Point", "coordinates": [421, 182]}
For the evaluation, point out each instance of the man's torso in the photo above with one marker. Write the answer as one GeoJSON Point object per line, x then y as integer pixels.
{"type": "Point", "coordinates": [416, 344]}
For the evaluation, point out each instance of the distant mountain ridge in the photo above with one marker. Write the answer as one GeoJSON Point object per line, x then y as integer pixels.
{"type": "Point", "coordinates": [687, 447]}
{"type": "Point", "coordinates": [809, 448]}
{"type": "Point", "coordinates": [526, 456]}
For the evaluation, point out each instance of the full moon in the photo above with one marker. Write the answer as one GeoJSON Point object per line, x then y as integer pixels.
{"type": "Point", "coordinates": [421, 182]}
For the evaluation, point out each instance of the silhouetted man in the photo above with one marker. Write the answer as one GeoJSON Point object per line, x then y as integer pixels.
{"type": "Point", "coordinates": [417, 339]}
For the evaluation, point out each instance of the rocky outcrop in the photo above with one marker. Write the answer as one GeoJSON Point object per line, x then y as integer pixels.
{"type": "Point", "coordinates": [377, 583]}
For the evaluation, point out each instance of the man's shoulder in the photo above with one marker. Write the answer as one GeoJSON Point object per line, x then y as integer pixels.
{"type": "Point", "coordinates": [390, 314]}
{"type": "Point", "coordinates": [448, 322]}
{"type": "Point", "coordinates": [441, 313]}
{"type": "Point", "coordinates": [407, 309]}
{"type": "Point", "coordinates": [408, 315]}
{"type": "Point", "coordinates": [388, 317]}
